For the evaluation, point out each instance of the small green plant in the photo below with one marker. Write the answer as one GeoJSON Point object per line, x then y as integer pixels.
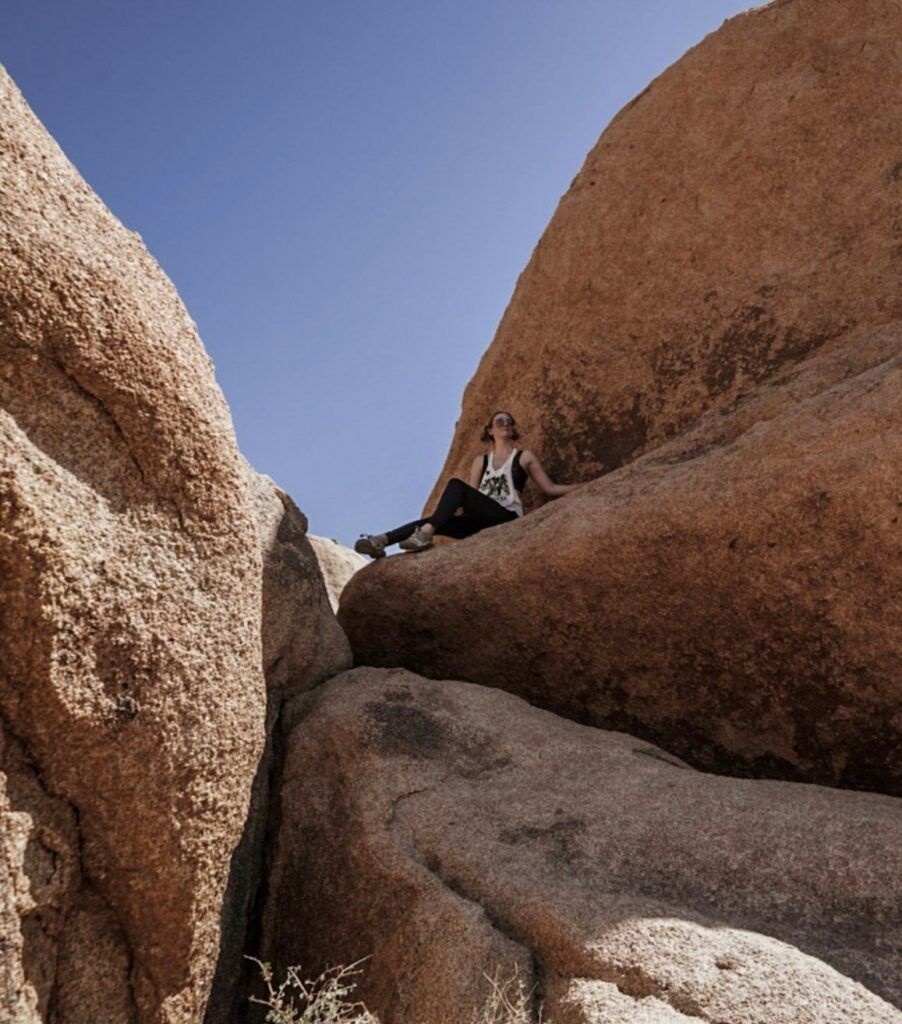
{"type": "Point", "coordinates": [323, 1000]}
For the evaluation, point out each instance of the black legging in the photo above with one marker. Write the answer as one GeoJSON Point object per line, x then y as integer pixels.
{"type": "Point", "coordinates": [479, 511]}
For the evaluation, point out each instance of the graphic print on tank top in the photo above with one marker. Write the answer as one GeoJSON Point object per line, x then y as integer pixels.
{"type": "Point", "coordinates": [495, 487]}
{"type": "Point", "coordinates": [498, 484]}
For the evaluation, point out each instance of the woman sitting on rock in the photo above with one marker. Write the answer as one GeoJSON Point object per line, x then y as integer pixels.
{"type": "Point", "coordinates": [490, 498]}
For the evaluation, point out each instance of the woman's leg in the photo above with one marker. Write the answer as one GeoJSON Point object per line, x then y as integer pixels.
{"type": "Point", "coordinates": [402, 532]}
{"type": "Point", "coordinates": [479, 511]}
{"type": "Point", "coordinates": [452, 499]}
{"type": "Point", "coordinates": [460, 527]}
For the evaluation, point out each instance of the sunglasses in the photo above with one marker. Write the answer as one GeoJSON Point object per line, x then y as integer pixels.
{"type": "Point", "coordinates": [502, 421]}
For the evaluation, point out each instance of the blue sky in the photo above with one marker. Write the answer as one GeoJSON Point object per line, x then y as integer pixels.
{"type": "Point", "coordinates": [343, 192]}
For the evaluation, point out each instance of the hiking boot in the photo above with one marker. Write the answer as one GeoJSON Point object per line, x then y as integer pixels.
{"type": "Point", "coordinates": [367, 544]}
{"type": "Point", "coordinates": [417, 541]}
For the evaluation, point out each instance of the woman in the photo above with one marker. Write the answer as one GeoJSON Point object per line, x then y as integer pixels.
{"type": "Point", "coordinates": [491, 497]}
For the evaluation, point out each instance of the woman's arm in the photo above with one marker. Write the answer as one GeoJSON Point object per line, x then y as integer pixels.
{"type": "Point", "coordinates": [545, 484]}
{"type": "Point", "coordinates": [476, 471]}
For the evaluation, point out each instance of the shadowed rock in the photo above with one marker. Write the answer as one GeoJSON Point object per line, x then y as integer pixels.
{"type": "Point", "coordinates": [302, 645]}
{"type": "Point", "coordinates": [446, 830]}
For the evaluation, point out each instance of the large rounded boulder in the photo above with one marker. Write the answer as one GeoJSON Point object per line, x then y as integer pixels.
{"type": "Point", "coordinates": [132, 695]}
{"type": "Point", "coordinates": [442, 834]}
{"type": "Point", "coordinates": [738, 214]}
{"type": "Point", "coordinates": [733, 596]}
{"type": "Point", "coordinates": [708, 335]}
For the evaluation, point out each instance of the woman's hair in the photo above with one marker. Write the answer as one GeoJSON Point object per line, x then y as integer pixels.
{"type": "Point", "coordinates": [486, 436]}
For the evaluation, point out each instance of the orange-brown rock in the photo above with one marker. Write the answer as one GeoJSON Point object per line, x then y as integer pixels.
{"type": "Point", "coordinates": [131, 688]}
{"type": "Point", "coordinates": [447, 831]}
{"type": "Point", "coordinates": [739, 213]}
{"type": "Point", "coordinates": [734, 595]}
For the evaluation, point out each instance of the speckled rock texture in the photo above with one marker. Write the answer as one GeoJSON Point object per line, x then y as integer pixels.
{"type": "Point", "coordinates": [338, 565]}
{"type": "Point", "coordinates": [739, 213]}
{"type": "Point", "coordinates": [734, 595]}
{"type": "Point", "coordinates": [131, 687]}
{"type": "Point", "coordinates": [446, 830]}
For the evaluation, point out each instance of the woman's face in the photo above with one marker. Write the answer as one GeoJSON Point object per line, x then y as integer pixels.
{"type": "Point", "coordinates": [502, 425]}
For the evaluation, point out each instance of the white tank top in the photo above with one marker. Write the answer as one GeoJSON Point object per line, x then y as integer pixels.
{"type": "Point", "coordinates": [499, 484]}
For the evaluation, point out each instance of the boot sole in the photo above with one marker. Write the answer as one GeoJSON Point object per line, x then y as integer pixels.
{"type": "Point", "coordinates": [365, 547]}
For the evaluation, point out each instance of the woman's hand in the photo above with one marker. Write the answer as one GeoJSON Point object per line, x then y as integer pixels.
{"type": "Point", "coordinates": [545, 484]}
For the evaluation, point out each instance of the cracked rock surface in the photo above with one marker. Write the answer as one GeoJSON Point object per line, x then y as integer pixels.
{"type": "Point", "coordinates": [447, 830]}
{"type": "Point", "coordinates": [302, 645]}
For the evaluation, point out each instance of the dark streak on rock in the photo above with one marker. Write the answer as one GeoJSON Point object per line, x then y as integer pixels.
{"type": "Point", "coordinates": [406, 731]}
{"type": "Point", "coordinates": [560, 839]}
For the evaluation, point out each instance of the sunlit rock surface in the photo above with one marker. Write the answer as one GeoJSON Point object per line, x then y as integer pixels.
{"type": "Point", "coordinates": [733, 218]}
{"type": "Point", "coordinates": [147, 579]}
{"type": "Point", "coordinates": [338, 565]}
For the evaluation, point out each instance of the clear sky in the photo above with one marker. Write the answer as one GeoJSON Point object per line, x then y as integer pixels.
{"type": "Point", "coordinates": [343, 192]}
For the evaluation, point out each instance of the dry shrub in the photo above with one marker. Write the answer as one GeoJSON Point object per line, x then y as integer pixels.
{"type": "Point", "coordinates": [325, 1000]}
{"type": "Point", "coordinates": [509, 1002]}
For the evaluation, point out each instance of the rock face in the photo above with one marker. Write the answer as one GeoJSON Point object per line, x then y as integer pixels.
{"type": "Point", "coordinates": [302, 645]}
{"type": "Point", "coordinates": [738, 214]}
{"type": "Point", "coordinates": [715, 309]}
{"type": "Point", "coordinates": [483, 835]}
{"type": "Point", "coordinates": [712, 325]}
{"type": "Point", "coordinates": [302, 641]}
{"type": "Point", "coordinates": [733, 596]}
{"type": "Point", "coordinates": [131, 691]}
{"type": "Point", "coordinates": [338, 565]}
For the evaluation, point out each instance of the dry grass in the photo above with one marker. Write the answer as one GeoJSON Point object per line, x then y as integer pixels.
{"type": "Point", "coordinates": [326, 999]}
